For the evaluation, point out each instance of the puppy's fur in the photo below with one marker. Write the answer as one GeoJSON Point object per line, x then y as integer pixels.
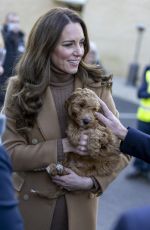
{"type": "Point", "coordinates": [103, 146]}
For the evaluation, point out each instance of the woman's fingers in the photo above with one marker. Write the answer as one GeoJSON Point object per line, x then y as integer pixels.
{"type": "Point", "coordinates": [83, 139]}
{"type": "Point", "coordinates": [82, 148]}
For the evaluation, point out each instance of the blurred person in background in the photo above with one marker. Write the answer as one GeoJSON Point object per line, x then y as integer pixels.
{"type": "Point", "coordinates": [51, 68]}
{"type": "Point", "coordinates": [141, 168]}
{"type": "Point", "coordinates": [13, 38]}
{"type": "Point", "coordinates": [10, 218]}
{"type": "Point", "coordinates": [2, 53]}
{"type": "Point", "coordinates": [14, 42]}
{"type": "Point", "coordinates": [92, 56]}
{"type": "Point", "coordinates": [134, 219]}
{"type": "Point", "coordinates": [2, 58]}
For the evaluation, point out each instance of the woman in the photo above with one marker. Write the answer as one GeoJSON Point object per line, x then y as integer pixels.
{"type": "Point", "coordinates": [50, 70]}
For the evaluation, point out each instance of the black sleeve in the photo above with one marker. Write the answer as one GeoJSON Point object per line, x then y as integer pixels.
{"type": "Point", "coordinates": [136, 144]}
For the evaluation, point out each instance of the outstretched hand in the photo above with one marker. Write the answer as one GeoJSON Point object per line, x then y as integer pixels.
{"type": "Point", "coordinates": [110, 121]}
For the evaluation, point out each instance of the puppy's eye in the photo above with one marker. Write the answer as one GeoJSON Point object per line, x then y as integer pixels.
{"type": "Point", "coordinates": [82, 104]}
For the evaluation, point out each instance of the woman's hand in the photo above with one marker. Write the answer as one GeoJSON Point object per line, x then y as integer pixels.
{"type": "Point", "coordinates": [81, 149]}
{"type": "Point", "coordinates": [73, 182]}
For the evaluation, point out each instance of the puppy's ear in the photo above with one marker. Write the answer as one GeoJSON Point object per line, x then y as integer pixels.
{"type": "Point", "coordinates": [68, 102]}
{"type": "Point", "coordinates": [68, 107]}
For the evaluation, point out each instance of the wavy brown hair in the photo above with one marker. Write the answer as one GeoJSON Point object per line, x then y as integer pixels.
{"type": "Point", "coordinates": [34, 67]}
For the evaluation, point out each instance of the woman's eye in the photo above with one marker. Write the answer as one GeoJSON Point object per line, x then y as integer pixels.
{"type": "Point", "coordinates": [82, 43]}
{"type": "Point", "coordinates": [67, 45]}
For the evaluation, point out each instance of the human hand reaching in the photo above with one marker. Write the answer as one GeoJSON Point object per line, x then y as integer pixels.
{"type": "Point", "coordinates": [110, 121]}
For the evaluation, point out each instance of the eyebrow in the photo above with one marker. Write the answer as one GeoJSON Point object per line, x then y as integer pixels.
{"type": "Point", "coordinates": [66, 41]}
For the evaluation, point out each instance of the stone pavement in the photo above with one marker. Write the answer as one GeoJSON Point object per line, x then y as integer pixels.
{"type": "Point", "coordinates": [124, 91]}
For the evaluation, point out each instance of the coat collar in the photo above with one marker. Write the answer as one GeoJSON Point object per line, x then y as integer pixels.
{"type": "Point", "coordinates": [47, 119]}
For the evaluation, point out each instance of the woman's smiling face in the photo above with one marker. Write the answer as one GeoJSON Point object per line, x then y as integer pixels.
{"type": "Point", "coordinates": [69, 49]}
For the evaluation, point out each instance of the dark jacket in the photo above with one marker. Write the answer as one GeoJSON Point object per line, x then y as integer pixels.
{"type": "Point", "coordinates": [134, 219]}
{"type": "Point", "coordinates": [136, 144]}
{"type": "Point", "coordinates": [10, 218]}
{"type": "Point", "coordinates": [14, 44]}
{"type": "Point", "coordinates": [142, 91]}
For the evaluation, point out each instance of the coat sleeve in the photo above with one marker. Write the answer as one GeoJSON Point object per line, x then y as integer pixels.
{"type": "Point", "coordinates": [106, 96]}
{"type": "Point", "coordinates": [25, 156]}
{"type": "Point", "coordinates": [10, 217]}
{"type": "Point", "coordinates": [136, 144]}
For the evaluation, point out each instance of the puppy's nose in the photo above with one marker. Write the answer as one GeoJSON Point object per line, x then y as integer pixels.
{"type": "Point", "coordinates": [86, 121]}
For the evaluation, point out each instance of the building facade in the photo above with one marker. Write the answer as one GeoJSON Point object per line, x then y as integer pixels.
{"type": "Point", "coordinates": [112, 25]}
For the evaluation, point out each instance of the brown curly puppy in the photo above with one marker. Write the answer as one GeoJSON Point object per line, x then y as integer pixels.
{"type": "Point", "coordinates": [103, 146]}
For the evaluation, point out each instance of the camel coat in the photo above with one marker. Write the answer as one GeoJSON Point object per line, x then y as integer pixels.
{"type": "Point", "coordinates": [32, 154]}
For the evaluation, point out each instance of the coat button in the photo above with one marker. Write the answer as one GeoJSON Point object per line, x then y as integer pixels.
{"type": "Point", "coordinates": [91, 195]}
{"type": "Point", "coordinates": [26, 197]}
{"type": "Point", "coordinates": [34, 141]}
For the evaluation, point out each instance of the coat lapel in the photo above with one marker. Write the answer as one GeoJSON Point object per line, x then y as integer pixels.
{"type": "Point", "coordinates": [47, 119]}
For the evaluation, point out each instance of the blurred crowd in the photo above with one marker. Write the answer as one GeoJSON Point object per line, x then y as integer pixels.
{"type": "Point", "coordinates": [12, 45]}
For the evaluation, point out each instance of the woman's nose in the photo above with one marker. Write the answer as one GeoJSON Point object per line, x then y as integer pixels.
{"type": "Point", "coordinates": [78, 51]}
